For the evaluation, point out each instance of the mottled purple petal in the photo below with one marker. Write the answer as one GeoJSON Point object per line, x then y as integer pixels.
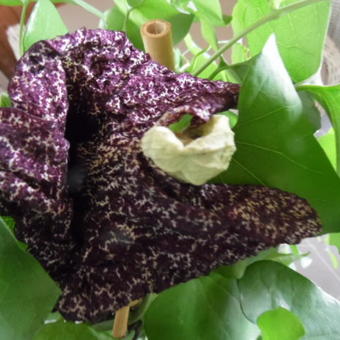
{"type": "Point", "coordinates": [129, 228]}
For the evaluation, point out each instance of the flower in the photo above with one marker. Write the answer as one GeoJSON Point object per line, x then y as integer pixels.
{"type": "Point", "coordinates": [105, 222]}
{"type": "Point", "coordinates": [195, 155]}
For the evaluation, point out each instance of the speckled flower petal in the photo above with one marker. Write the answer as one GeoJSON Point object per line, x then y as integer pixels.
{"type": "Point", "coordinates": [131, 229]}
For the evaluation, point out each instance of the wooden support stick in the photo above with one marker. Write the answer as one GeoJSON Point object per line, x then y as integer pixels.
{"type": "Point", "coordinates": [120, 324]}
{"type": "Point", "coordinates": [157, 39]}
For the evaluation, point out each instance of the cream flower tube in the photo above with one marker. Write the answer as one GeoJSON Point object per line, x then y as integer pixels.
{"type": "Point", "coordinates": [195, 156]}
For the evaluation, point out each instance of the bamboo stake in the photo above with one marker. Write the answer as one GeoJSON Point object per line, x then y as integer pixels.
{"type": "Point", "coordinates": [157, 39]}
{"type": "Point", "coordinates": [120, 324]}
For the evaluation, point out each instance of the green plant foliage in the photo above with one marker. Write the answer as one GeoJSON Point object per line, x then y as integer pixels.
{"type": "Point", "coordinates": [300, 34]}
{"type": "Point", "coordinates": [62, 330]}
{"type": "Point", "coordinates": [280, 324]}
{"type": "Point", "coordinates": [329, 98]}
{"type": "Point", "coordinates": [205, 308]}
{"type": "Point", "coordinates": [5, 100]}
{"type": "Point", "coordinates": [209, 34]}
{"type": "Point", "coordinates": [154, 9]}
{"type": "Point", "coordinates": [182, 124]}
{"type": "Point", "coordinates": [268, 285]}
{"type": "Point", "coordinates": [327, 142]}
{"type": "Point", "coordinates": [199, 58]}
{"type": "Point", "coordinates": [275, 142]}
{"type": "Point", "coordinates": [44, 23]}
{"type": "Point", "coordinates": [27, 293]}
{"type": "Point", "coordinates": [10, 2]}
{"type": "Point", "coordinates": [237, 270]}
{"type": "Point", "coordinates": [135, 3]}
{"type": "Point", "coordinates": [210, 12]}
{"type": "Point", "coordinates": [113, 20]}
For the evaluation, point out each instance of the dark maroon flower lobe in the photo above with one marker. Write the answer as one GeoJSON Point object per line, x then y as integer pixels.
{"type": "Point", "coordinates": [82, 102]}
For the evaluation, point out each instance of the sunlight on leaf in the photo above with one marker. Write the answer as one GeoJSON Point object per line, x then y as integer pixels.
{"type": "Point", "coordinates": [280, 324]}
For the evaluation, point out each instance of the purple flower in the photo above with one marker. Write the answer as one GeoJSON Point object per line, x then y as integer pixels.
{"type": "Point", "coordinates": [106, 223]}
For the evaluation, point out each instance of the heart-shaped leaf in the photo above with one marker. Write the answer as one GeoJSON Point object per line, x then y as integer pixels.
{"type": "Point", "coordinates": [205, 308]}
{"type": "Point", "coordinates": [268, 285]}
{"type": "Point", "coordinates": [27, 293]}
{"type": "Point", "coordinates": [275, 142]}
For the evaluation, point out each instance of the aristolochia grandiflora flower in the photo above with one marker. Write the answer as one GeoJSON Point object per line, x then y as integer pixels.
{"type": "Point", "coordinates": [100, 216]}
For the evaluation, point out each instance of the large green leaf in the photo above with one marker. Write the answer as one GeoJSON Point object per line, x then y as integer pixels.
{"type": "Point", "coordinates": [329, 98]}
{"type": "Point", "coordinates": [210, 12]}
{"type": "Point", "coordinates": [70, 331]}
{"type": "Point", "coordinates": [44, 23]}
{"type": "Point", "coordinates": [27, 293]}
{"type": "Point", "coordinates": [202, 309]}
{"type": "Point", "coordinates": [155, 9]}
{"type": "Point", "coordinates": [280, 324]}
{"type": "Point", "coordinates": [268, 285]}
{"type": "Point", "coordinates": [275, 142]}
{"type": "Point", "coordinates": [300, 34]}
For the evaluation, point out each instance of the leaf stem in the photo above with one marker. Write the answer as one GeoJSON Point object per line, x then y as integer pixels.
{"type": "Point", "coordinates": [22, 26]}
{"type": "Point", "coordinates": [126, 19]}
{"type": "Point", "coordinates": [275, 14]}
{"type": "Point", "coordinates": [89, 8]}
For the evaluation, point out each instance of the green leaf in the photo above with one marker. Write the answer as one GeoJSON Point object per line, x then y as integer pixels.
{"type": "Point", "coordinates": [327, 142]}
{"type": "Point", "coordinates": [44, 23]}
{"type": "Point", "coordinates": [200, 57]}
{"type": "Point", "coordinates": [275, 142]}
{"type": "Point", "coordinates": [280, 324]}
{"type": "Point", "coordinates": [237, 270]}
{"type": "Point", "coordinates": [209, 11]}
{"type": "Point", "coordinates": [10, 2]}
{"type": "Point", "coordinates": [300, 34]}
{"type": "Point", "coordinates": [113, 19]}
{"type": "Point", "coordinates": [135, 3]}
{"type": "Point", "coordinates": [209, 34]}
{"type": "Point", "coordinates": [329, 98]}
{"type": "Point", "coordinates": [240, 53]}
{"type": "Point", "coordinates": [182, 124]}
{"type": "Point", "coordinates": [233, 117]}
{"type": "Point", "coordinates": [205, 308]}
{"type": "Point", "coordinates": [5, 100]}
{"type": "Point", "coordinates": [159, 9]}
{"type": "Point", "coordinates": [27, 293]}
{"type": "Point", "coordinates": [70, 331]}
{"type": "Point", "coordinates": [268, 285]}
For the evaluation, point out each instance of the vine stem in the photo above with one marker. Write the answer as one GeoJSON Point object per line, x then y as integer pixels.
{"type": "Point", "coordinates": [22, 26]}
{"type": "Point", "coordinates": [89, 8]}
{"type": "Point", "coordinates": [275, 14]}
